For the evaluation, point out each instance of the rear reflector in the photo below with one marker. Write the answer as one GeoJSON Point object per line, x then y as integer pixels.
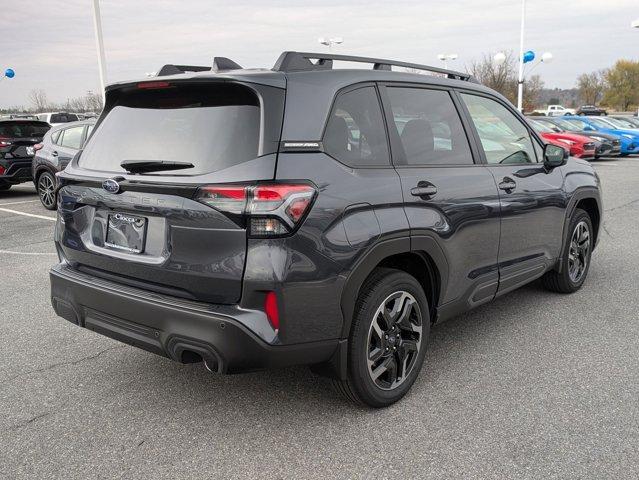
{"type": "Point", "coordinates": [272, 313]}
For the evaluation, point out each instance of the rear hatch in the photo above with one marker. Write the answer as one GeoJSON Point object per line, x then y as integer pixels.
{"type": "Point", "coordinates": [17, 140]}
{"type": "Point", "coordinates": [147, 225]}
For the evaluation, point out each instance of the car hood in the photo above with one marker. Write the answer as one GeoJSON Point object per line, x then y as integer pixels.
{"type": "Point", "coordinates": [574, 137]}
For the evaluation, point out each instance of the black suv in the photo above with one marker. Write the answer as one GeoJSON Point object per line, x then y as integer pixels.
{"type": "Point", "coordinates": [305, 215]}
{"type": "Point", "coordinates": [19, 140]}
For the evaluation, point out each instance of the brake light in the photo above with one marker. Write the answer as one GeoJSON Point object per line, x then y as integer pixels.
{"type": "Point", "coordinates": [270, 308]}
{"type": "Point", "coordinates": [272, 209]}
{"type": "Point", "coordinates": [38, 146]}
{"type": "Point", "coordinates": [2, 170]}
{"type": "Point", "coordinates": [152, 85]}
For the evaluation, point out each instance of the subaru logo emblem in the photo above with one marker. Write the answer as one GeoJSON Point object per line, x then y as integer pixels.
{"type": "Point", "coordinates": [111, 186]}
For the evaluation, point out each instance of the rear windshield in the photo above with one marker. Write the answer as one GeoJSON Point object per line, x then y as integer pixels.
{"type": "Point", "coordinates": [212, 126]}
{"type": "Point", "coordinates": [23, 129]}
{"type": "Point", "coordinates": [63, 117]}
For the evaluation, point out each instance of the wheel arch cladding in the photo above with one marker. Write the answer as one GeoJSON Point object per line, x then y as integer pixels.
{"type": "Point", "coordinates": [592, 209]}
{"type": "Point", "coordinates": [392, 254]}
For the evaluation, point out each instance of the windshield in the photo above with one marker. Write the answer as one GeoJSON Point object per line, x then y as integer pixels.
{"type": "Point", "coordinates": [540, 127]}
{"type": "Point", "coordinates": [570, 124]}
{"type": "Point", "coordinates": [621, 123]}
{"type": "Point", "coordinates": [63, 117]}
{"type": "Point", "coordinates": [210, 126]}
{"type": "Point", "coordinates": [23, 129]}
{"type": "Point", "coordinates": [598, 122]}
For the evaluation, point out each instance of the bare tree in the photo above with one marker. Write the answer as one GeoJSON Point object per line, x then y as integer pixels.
{"type": "Point", "coordinates": [38, 99]}
{"type": "Point", "coordinates": [501, 77]}
{"type": "Point", "coordinates": [591, 87]}
{"type": "Point", "coordinates": [532, 91]}
{"type": "Point", "coordinates": [93, 102]}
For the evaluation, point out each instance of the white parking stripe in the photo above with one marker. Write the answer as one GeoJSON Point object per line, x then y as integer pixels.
{"type": "Point", "coordinates": [17, 203]}
{"type": "Point", "coordinates": [10, 252]}
{"type": "Point", "coordinates": [26, 214]}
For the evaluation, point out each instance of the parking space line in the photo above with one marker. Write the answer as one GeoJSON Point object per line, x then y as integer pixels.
{"type": "Point", "coordinates": [11, 252]}
{"type": "Point", "coordinates": [18, 203]}
{"type": "Point", "coordinates": [8, 210]}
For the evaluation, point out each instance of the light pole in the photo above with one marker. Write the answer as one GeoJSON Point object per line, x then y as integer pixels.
{"type": "Point", "coordinates": [329, 42]}
{"type": "Point", "coordinates": [520, 77]}
{"type": "Point", "coordinates": [444, 57]}
{"type": "Point", "coordinates": [526, 57]}
{"type": "Point", "coordinates": [97, 24]}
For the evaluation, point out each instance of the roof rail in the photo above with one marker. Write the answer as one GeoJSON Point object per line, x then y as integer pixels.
{"type": "Point", "coordinates": [301, 61]}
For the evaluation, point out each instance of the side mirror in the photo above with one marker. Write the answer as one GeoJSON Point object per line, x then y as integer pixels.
{"type": "Point", "coordinates": [554, 156]}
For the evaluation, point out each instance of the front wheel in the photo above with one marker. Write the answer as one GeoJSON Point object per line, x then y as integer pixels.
{"type": "Point", "coordinates": [46, 190]}
{"type": "Point", "coordinates": [388, 338]}
{"type": "Point", "coordinates": [576, 256]}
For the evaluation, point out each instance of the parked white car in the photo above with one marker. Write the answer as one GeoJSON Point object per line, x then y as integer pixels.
{"type": "Point", "coordinates": [57, 118]}
{"type": "Point", "coordinates": [556, 111]}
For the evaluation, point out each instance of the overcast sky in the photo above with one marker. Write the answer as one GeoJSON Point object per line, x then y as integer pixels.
{"type": "Point", "coordinates": [50, 44]}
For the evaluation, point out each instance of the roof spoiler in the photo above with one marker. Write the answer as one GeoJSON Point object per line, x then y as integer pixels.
{"type": "Point", "coordinates": [220, 64]}
{"type": "Point", "coordinates": [301, 61]}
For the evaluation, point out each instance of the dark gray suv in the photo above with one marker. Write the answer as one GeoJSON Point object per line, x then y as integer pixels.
{"type": "Point", "coordinates": [304, 215]}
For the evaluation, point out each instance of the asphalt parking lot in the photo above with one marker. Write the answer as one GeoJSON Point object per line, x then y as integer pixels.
{"type": "Point", "coordinates": [534, 385]}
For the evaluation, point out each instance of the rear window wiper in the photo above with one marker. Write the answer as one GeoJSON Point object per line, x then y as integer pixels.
{"type": "Point", "coordinates": [142, 166]}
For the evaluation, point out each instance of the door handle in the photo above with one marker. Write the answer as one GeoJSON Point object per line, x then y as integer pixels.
{"type": "Point", "coordinates": [54, 154]}
{"type": "Point", "coordinates": [423, 189]}
{"type": "Point", "coordinates": [507, 184]}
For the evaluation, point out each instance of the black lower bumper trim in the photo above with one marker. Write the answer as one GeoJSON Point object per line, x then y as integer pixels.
{"type": "Point", "coordinates": [175, 330]}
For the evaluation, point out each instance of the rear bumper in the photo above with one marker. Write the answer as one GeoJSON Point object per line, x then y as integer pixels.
{"type": "Point", "coordinates": [17, 171]}
{"type": "Point", "coordinates": [171, 327]}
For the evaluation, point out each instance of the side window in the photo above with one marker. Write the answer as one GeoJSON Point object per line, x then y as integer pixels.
{"type": "Point", "coordinates": [72, 137]}
{"type": "Point", "coordinates": [355, 132]}
{"type": "Point", "coordinates": [504, 138]}
{"type": "Point", "coordinates": [429, 127]}
{"type": "Point", "coordinates": [55, 137]}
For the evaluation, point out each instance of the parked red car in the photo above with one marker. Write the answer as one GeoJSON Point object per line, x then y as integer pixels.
{"type": "Point", "coordinates": [578, 145]}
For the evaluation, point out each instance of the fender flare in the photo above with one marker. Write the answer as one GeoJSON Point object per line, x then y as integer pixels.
{"type": "Point", "coordinates": [581, 193]}
{"type": "Point", "coordinates": [377, 253]}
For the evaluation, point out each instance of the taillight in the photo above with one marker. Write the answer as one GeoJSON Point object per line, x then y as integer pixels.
{"type": "Point", "coordinates": [270, 308]}
{"type": "Point", "coordinates": [271, 209]}
{"type": "Point", "coordinates": [38, 146]}
{"type": "Point", "coordinates": [2, 170]}
{"type": "Point", "coordinates": [4, 142]}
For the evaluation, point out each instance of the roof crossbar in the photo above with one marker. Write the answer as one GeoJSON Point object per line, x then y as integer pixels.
{"type": "Point", "coordinates": [220, 64]}
{"type": "Point", "coordinates": [177, 69]}
{"type": "Point", "coordinates": [301, 61]}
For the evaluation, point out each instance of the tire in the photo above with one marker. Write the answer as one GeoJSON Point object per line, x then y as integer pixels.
{"type": "Point", "coordinates": [4, 188]}
{"type": "Point", "coordinates": [397, 342]}
{"type": "Point", "coordinates": [46, 190]}
{"type": "Point", "coordinates": [573, 276]}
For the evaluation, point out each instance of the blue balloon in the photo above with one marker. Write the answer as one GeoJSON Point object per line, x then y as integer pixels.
{"type": "Point", "coordinates": [9, 73]}
{"type": "Point", "coordinates": [529, 56]}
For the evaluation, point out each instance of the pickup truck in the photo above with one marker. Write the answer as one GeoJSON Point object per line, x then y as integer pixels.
{"type": "Point", "coordinates": [555, 111]}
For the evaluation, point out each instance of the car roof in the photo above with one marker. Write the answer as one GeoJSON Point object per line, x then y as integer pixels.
{"type": "Point", "coordinates": [62, 126]}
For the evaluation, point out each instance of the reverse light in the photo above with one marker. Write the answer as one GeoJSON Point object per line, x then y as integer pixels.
{"type": "Point", "coordinates": [271, 310]}
{"type": "Point", "coordinates": [271, 209]}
